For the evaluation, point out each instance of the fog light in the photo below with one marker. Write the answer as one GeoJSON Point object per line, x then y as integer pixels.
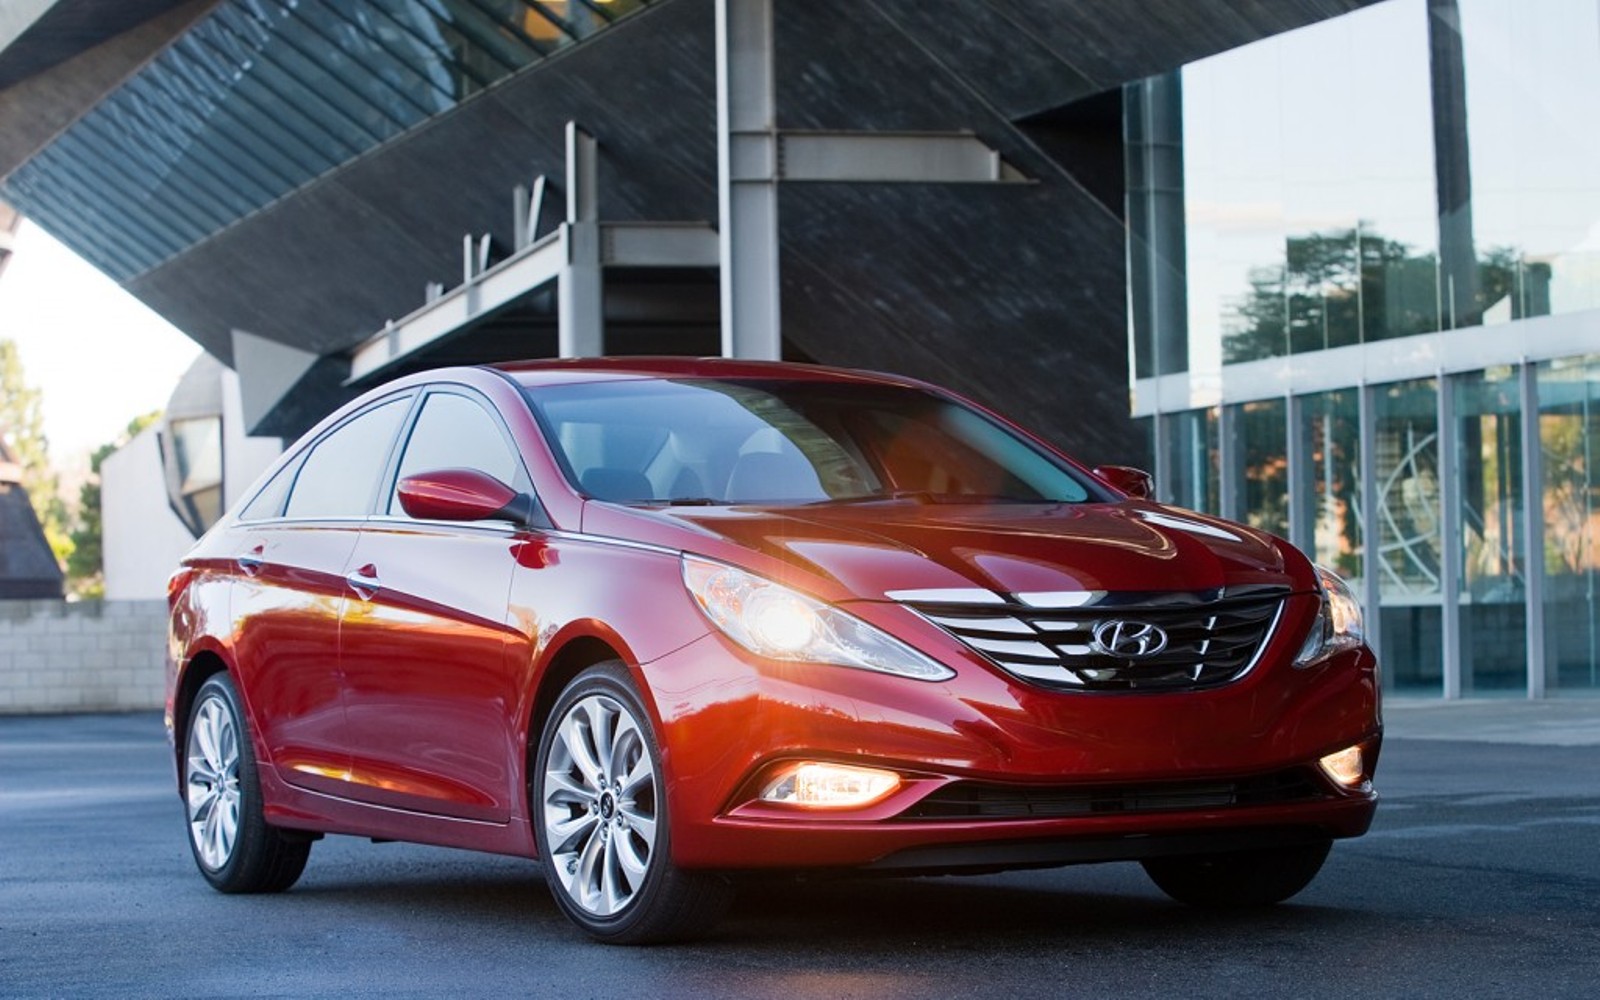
{"type": "Point", "coordinates": [830, 786]}
{"type": "Point", "coordinates": [1345, 767]}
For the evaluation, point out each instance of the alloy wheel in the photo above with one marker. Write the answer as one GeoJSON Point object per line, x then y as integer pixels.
{"type": "Point", "coordinates": [600, 813]}
{"type": "Point", "coordinates": [211, 779]}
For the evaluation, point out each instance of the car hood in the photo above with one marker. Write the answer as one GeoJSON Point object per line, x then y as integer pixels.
{"type": "Point", "coordinates": [880, 551]}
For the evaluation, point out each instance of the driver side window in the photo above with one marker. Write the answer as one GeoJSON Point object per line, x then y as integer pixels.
{"type": "Point", "coordinates": [453, 432]}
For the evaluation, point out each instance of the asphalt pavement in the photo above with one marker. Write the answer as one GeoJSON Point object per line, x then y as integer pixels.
{"type": "Point", "coordinates": [1480, 878]}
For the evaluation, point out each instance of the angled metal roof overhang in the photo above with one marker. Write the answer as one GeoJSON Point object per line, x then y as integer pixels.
{"type": "Point", "coordinates": [259, 98]}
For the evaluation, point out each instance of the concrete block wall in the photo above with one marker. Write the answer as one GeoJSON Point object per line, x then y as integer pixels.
{"type": "Point", "coordinates": [82, 656]}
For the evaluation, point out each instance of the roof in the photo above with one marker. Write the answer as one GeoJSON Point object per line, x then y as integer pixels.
{"type": "Point", "coordinates": [28, 569]}
{"type": "Point", "coordinates": [566, 370]}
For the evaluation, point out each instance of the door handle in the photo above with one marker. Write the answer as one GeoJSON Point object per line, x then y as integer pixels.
{"type": "Point", "coordinates": [251, 562]}
{"type": "Point", "coordinates": [364, 581]}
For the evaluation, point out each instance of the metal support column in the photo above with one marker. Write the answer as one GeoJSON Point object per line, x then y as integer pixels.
{"type": "Point", "coordinates": [1302, 529]}
{"type": "Point", "coordinates": [1533, 530]}
{"type": "Point", "coordinates": [1457, 676]}
{"type": "Point", "coordinates": [1230, 465]}
{"type": "Point", "coordinates": [1371, 533]}
{"type": "Point", "coordinates": [747, 192]}
{"type": "Point", "coordinates": [580, 295]}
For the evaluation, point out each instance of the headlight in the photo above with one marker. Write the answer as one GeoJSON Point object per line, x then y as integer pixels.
{"type": "Point", "coordinates": [1338, 623]}
{"type": "Point", "coordinates": [771, 620]}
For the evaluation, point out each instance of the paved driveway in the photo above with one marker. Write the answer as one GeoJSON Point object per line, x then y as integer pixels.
{"type": "Point", "coordinates": [1481, 878]}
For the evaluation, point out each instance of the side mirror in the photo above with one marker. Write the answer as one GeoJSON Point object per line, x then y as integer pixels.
{"type": "Point", "coordinates": [1134, 482]}
{"type": "Point", "coordinates": [463, 495]}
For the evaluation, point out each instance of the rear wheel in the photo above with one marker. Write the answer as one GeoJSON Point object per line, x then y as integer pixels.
{"type": "Point", "coordinates": [600, 816]}
{"type": "Point", "coordinates": [1245, 878]}
{"type": "Point", "coordinates": [232, 844]}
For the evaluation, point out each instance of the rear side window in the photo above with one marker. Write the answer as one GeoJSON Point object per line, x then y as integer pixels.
{"type": "Point", "coordinates": [269, 501]}
{"type": "Point", "coordinates": [340, 475]}
{"type": "Point", "coordinates": [453, 432]}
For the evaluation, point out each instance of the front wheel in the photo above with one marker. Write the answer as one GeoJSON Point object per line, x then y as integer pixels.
{"type": "Point", "coordinates": [233, 845]}
{"type": "Point", "coordinates": [600, 817]}
{"type": "Point", "coordinates": [1240, 879]}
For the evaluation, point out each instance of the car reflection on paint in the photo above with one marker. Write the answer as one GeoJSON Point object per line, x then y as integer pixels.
{"type": "Point", "coordinates": [660, 622]}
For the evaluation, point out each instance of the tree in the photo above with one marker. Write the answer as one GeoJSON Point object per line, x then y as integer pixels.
{"type": "Point", "coordinates": [22, 422]}
{"type": "Point", "coordinates": [86, 565]}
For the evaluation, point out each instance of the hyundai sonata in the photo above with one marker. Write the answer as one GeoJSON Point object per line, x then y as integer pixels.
{"type": "Point", "coordinates": [659, 622]}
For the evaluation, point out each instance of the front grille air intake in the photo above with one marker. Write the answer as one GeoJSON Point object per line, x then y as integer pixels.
{"type": "Point", "coordinates": [1111, 642]}
{"type": "Point", "coordinates": [978, 800]}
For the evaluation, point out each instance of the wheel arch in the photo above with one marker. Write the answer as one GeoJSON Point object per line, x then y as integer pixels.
{"type": "Point", "coordinates": [201, 667]}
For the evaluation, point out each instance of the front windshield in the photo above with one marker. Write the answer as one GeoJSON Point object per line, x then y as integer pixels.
{"type": "Point", "coordinates": [716, 441]}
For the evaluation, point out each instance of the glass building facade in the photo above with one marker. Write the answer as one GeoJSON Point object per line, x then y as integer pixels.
{"type": "Point", "coordinates": [1365, 315]}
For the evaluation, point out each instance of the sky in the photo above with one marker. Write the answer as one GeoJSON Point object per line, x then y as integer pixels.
{"type": "Point", "coordinates": [99, 356]}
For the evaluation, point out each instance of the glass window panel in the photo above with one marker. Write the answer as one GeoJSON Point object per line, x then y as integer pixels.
{"type": "Point", "coordinates": [481, 45]}
{"type": "Point", "coordinates": [324, 68]}
{"type": "Point", "coordinates": [1569, 436]}
{"type": "Point", "coordinates": [1310, 212]}
{"type": "Point", "coordinates": [453, 432]}
{"type": "Point", "coordinates": [1406, 468]}
{"type": "Point", "coordinates": [340, 475]}
{"type": "Point", "coordinates": [1234, 206]}
{"type": "Point", "coordinates": [47, 196]}
{"type": "Point", "coordinates": [342, 33]}
{"type": "Point", "coordinates": [1330, 476]}
{"type": "Point", "coordinates": [1533, 141]}
{"type": "Point", "coordinates": [1488, 467]}
{"type": "Point", "coordinates": [231, 40]}
{"type": "Point", "coordinates": [1191, 466]}
{"type": "Point", "coordinates": [1157, 314]}
{"type": "Point", "coordinates": [1261, 464]}
{"type": "Point", "coordinates": [268, 502]}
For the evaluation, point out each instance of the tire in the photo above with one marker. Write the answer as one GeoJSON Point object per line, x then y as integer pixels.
{"type": "Point", "coordinates": [1246, 878]}
{"type": "Point", "coordinates": [600, 817]}
{"type": "Point", "coordinates": [232, 844]}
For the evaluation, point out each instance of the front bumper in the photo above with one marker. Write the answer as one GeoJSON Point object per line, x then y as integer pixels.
{"type": "Point", "coordinates": [1112, 771]}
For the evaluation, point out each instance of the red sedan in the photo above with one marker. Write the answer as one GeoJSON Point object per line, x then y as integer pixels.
{"type": "Point", "coordinates": [661, 621]}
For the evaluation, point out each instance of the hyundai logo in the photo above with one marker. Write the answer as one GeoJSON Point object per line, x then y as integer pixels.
{"type": "Point", "coordinates": [1129, 640]}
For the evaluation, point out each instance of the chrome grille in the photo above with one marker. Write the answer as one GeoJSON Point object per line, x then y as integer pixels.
{"type": "Point", "coordinates": [1209, 638]}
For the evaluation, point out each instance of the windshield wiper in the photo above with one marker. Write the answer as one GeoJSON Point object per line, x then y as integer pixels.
{"type": "Point", "coordinates": [929, 497]}
{"type": "Point", "coordinates": [920, 496]}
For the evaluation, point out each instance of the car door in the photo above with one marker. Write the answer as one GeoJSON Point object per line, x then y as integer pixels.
{"type": "Point", "coordinates": [431, 683]}
{"type": "Point", "coordinates": [294, 542]}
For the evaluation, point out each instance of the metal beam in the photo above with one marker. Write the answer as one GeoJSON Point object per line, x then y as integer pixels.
{"type": "Point", "coordinates": [891, 157]}
{"type": "Point", "coordinates": [540, 263]}
{"type": "Point", "coordinates": [747, 195]}
{"type": "Point", "coordinates": [658, 244]}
